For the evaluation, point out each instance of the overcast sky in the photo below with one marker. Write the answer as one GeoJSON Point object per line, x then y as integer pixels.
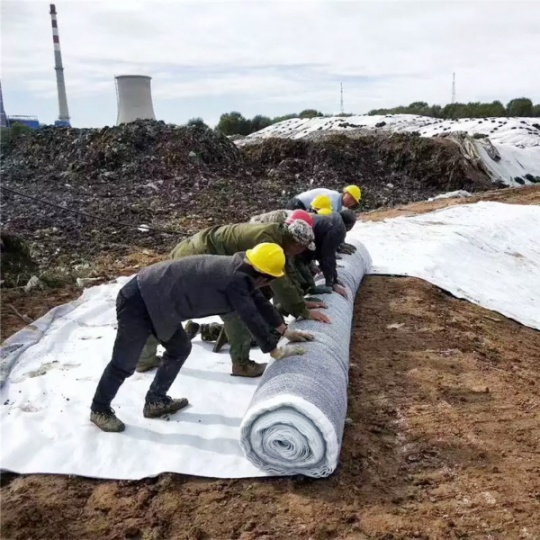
{"type": "Point", "coordinates": [267, 57]}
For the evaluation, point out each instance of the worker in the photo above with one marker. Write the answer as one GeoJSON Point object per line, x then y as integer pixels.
{"type": "Point", "coordinates": [349, 198]}
{"type": "Point", "coordinates": [163, 295]}
{"type": "Point", "coordinates": [283, 216]}
{"type": "Point", "coordinates": [294, 237]}
{"type": "Point", "coordinates": [327, 236]}
{"type": "Point", "coordinates": [322, 205]}
{"type": "Point", "coordinates": [330, 232]}
{"type": "Point", "coordinates": [306, 261]}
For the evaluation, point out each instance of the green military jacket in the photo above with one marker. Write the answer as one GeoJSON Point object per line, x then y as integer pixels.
{"type": "Point", "coordinates": [231, 239]}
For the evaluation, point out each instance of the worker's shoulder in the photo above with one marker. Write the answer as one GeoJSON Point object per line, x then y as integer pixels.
{"type": "Point", "coordinates": [320, 191]}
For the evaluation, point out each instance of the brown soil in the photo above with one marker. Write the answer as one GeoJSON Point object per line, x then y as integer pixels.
{"type": "Point", "coordinates": [442, 443]}
{"type": "Point", "coordinates": [521, 195]}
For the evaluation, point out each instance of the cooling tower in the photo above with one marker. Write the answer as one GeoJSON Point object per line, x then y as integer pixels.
{"type": "Point", "coordinates": [134, 96]}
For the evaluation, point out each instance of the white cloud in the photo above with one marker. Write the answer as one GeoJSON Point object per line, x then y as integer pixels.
{"type": "Point", "coordinates": [206, 55]}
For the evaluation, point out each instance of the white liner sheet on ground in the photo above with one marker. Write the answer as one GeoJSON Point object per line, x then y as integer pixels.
{"type": "Point", "coordinates": [45, 413]}
{"type": "Point", "coordinates": [487, 253]}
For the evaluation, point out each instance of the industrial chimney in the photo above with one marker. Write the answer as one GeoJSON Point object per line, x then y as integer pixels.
{"type": "Point", "coordinates": [134, 96]}
{"type": "Point", "coordinates": [3, 117]}
{"type": "Point", "coordinates": [63, 116]}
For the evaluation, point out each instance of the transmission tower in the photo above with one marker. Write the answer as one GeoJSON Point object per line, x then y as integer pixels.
{"type": "Point", "coordinates": [341, 101]}
{"type": "Point", "coordinates": [453, 87]}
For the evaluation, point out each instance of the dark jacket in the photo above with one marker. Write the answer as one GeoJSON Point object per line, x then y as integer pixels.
{"type": "Point", "coordinates": [202, 285]}
{"type": "Point", "coordinates": [330, 233]}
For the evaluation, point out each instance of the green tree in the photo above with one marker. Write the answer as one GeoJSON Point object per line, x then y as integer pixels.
{"type": "Point", "coordinates": [233, 123]}
{"type": "Point", "coordinates": [536, 110]}
{"type": "Point", "coordinates": [277, 119]}
{"type": "Point", "coordinates": [260, 122]}
{"type": "Point", "coordinates": [310, 113]}
{"type": "Point", "coordinates": [520, 107]}
{"type": "Point", "coordinates": [197, 122]}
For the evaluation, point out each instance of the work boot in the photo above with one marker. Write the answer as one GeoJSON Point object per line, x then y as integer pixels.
{"type": "Point", "coordinates": [166, 406]}
{"type": "Point", "coordinates": [221, 340]}
{"type": "Point", "coordinates": [147, 364]}
{"type": "Point", "coordinates": [248, 369]}
{"type": "Point", "coordinates": [192, 328]}
{"type": "Point", "coordinates": [210, 332]}
{"type": "Point", "coordinates": [107, 421]}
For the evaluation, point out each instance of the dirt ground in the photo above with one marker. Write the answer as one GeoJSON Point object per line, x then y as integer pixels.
{"type": "Point", "coordinates": [442, 442]}
{"type": "Point", "coordinates": [521, 195]}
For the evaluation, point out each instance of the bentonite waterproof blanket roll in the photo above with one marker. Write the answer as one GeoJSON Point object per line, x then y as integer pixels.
{"type": "Point", "coordinates": [294, 423]}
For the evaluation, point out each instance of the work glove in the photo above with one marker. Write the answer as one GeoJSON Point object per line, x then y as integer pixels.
{"type": "Point", "coordinates": [298, 336]}
{"type": "Point", "coordinates": [280, 353]}
{"type": "Point", "coordinates": [341, 290]}
{"type": "Point", "coordinates": [311, 304]}
{"type": "Point", "coordinates": [321, 289]}
{"type": "Point", "coordinates": [347, 249]}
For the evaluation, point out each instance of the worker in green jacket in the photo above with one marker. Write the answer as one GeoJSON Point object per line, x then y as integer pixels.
{"type": "Point", "coordinates": [294, 238]}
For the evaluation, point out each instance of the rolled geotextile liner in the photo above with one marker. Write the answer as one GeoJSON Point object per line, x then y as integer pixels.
{"type": "Point", "coordinates": [294, 423]}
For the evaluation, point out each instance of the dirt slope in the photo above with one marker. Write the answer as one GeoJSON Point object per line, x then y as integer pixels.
{"type": "Point", "coordinates": [522, 195]}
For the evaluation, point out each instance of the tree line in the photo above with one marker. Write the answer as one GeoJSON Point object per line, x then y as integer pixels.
{"type": "Point", "coordinates": [474, 109]}
{"type": "Point", "coordinates": [234, 123]}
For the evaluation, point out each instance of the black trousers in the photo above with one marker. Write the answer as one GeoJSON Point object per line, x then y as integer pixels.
{"type": "Point", "coordinates": [134, 327]}
{"type": "Point", "coordinates": [295, 204]}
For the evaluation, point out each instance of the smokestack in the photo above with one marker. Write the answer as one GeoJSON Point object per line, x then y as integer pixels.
{"type": "Point", "coordinates": [63, 116]}
{"type": "Point", "coordinates": [134, 96]}
{"type": "Point", "coordinates": [3, 117]}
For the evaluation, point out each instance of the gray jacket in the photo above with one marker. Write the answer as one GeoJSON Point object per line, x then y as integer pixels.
{"type": "Point", "coordinates": [202, 285]}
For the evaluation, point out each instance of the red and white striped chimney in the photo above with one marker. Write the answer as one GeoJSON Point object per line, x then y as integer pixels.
{"type": "Point", "coordinates": [63, 116]}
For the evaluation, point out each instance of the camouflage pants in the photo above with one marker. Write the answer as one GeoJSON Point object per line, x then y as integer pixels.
{"type": "Point", "coordinates": [239, 338]}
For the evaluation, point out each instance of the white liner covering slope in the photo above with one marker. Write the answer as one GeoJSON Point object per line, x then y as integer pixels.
{"type": "Point", "coordinates": [294, 423]}
{"type": "Point", "coordinates": [488, 253]}
{"type": "Point", "coordinates": [55, 366]}
{"type": "Point", "coordinates": [511, 149]}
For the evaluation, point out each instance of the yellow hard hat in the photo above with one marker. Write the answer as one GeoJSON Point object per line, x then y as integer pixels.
{"type": "Point", "coordinates": [267, 258]}
{"type": "Point", "coordinates": [321, 201]}
{"type": "Point", "coordinates": [354, 192]}
{"type": "Point", "coordinates": [324, 211]}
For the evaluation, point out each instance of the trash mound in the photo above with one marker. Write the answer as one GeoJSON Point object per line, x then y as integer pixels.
{"type": "Point", "coordinates": [392, 169]}
{"type": "Point", "coordinates": [168, 177]}
{"type": "Point", "coordinates": [150, 183]}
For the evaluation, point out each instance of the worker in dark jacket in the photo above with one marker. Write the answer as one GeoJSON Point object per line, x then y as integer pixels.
{"type": "Point", "coordinates": [164, 295]}
{"type": "Point", "coordinates": [330, 232]}
{"type": "Point", "coordinates": [294, 238]}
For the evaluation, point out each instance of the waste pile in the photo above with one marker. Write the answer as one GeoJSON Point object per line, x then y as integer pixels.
{"type": "Point", "coordinates": [151, 182]}
{"type": "Point", "coordinates": [392, 169]}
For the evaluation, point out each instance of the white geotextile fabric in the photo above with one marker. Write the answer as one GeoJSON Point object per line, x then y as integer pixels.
{"type": "Point", "coordinates": [487, 253]}
{"type": "Point", "coordinates": [45, 404]}
{"type": "Point", "coordinates": [294, 423]}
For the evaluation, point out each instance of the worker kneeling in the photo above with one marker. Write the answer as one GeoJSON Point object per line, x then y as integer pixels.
{"type": "Point", "coordinates": [162, 296]}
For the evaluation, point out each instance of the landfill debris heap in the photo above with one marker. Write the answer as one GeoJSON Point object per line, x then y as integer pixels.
{"type": "Point", "coordinates": [179, 179]}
